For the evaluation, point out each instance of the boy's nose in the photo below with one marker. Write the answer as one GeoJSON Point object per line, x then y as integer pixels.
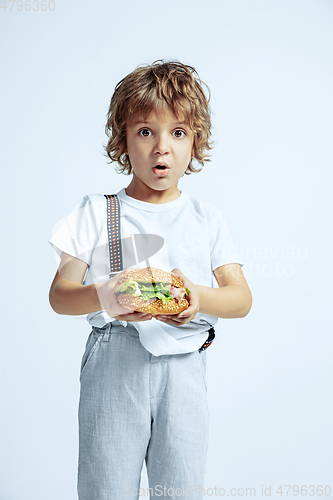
{"type": "Point", "coordinates": [161, 147]}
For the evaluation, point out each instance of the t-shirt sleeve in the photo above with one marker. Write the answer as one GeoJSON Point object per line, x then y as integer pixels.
{"type": "Point", "coordinates": [77, 234]}
{"type": "Point", "coordinates": [222, 248]}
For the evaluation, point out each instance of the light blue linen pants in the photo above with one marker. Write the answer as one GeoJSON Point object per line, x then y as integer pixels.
{"type": "Point", "coordinates": [134, 407]}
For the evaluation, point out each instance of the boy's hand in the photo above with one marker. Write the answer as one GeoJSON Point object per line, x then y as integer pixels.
{"type": "Point", "coordinates": [133, 316]}
{"type": "Point", "coordinates": [193, 299]}
{"type": "Point", "coordinates": [110, 304]}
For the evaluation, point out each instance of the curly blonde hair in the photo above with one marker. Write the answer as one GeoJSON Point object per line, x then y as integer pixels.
{"type": "Point", "coordinates": [149, 88]}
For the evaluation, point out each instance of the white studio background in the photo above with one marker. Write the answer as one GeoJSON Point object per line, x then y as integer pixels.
{"type": "Point", "coordinates": [269, 66]}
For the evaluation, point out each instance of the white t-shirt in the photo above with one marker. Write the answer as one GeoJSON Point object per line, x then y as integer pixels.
{"type": "Point", "coordinates": [185, 234]}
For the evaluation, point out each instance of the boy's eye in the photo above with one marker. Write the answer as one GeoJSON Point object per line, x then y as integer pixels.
{"type": "Point", "coordinates": [179, 133]}
{"type": "Point", "coordinates": [145, 132]}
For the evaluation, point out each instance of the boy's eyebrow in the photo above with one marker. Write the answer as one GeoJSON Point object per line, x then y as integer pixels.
{"type": "Point", "coordinates": [144, 121]}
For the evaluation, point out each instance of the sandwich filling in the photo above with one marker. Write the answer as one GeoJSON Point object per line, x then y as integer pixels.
{"type": "Point", "coordinates": [151, 290]}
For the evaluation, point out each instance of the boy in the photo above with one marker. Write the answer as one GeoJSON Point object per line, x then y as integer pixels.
{"type": "Point", "coordinates": [143, 380]}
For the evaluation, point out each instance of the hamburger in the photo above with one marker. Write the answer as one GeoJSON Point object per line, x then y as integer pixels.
{"type": "Point", "coordinates": [151, 290]}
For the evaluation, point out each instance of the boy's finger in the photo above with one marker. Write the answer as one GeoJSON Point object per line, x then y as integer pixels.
{"type": "Point", "coordinates": [133, 317]}
{"type": "Point", "coordinates": [184, 315]}
{"type": "Point", "coordinates": [178, 273]}
{"type": "Point", "coordinates": [188, 312]}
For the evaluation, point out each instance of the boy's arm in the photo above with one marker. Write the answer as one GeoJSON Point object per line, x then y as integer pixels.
{"type": "Point", "coordinates": [68, 295]}
{"type": "Point", "coordinates": [233, 298]}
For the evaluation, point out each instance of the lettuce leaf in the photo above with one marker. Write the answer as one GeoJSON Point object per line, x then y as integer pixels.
{"type": "Point", "coordinates": [131, 288]}
{"type": "Point", "coordinates": [147, 291]}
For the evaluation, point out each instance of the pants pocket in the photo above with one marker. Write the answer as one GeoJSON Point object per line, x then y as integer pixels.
{"type": "Point", "coordinates": [91, 346]}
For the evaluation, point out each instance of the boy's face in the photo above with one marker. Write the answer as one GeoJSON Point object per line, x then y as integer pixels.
{"type": "Point", "coordinates": [160, 149]}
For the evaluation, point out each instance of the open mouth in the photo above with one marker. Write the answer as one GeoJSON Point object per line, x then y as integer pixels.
{"type": "Point", "coordinates": [161, 170]}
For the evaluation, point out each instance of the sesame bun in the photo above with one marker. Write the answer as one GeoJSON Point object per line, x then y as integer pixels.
{"type": "Point", "coordinates": [152, 306]}
{"type": "Point", "coordinates": [148, 275]}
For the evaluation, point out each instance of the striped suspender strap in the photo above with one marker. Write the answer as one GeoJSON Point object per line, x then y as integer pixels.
{"type": "Point", "coordinates": [113, 221]}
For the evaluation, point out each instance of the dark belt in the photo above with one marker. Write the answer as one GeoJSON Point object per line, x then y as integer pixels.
{"type": "Point", "coordinates": [209, 340]}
